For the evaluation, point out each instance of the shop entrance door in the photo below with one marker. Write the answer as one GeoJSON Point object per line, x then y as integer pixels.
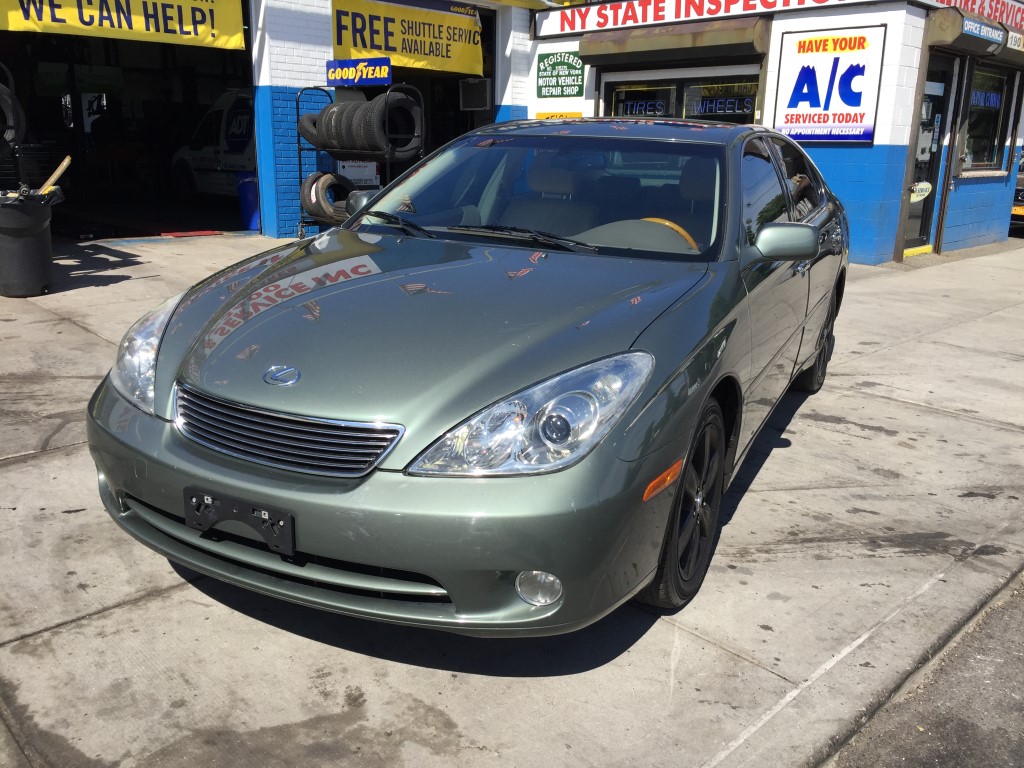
{"type": "Point", "coordinates": [928, 142]}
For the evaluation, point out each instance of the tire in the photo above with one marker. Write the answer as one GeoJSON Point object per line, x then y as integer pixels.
{"type": "Point", "coordinates": [346, 124]}
{"type": "Point", "coordinates": [811, 379]}
{"type": "Point", "coordinates": [364, 134]}
{"type": "Point", "coordinates": [693, 526]}
{"type": "Point", "coordinates": [325, 126]}
{"type": "Point", "coordinates": [396, 122]}
{"type": "Point", "coordinates": [341, 213]}
{"type": "Point", "coordinates": [307, 194]}
{"type": "Point", "coordinates": [328, 191]}
{"type": "Point", "coordinates": [334, 127]}
{"type": "Point", "coordinates": [12, 115]}
{"type": "Point", "coordinates": [307, 128]}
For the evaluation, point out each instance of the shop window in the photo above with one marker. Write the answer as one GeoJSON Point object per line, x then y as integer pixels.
{"type": "Point", "coordinates": [639, 100]}
{"type": "Point", "coordinates": [764, 198]}
{"type": "Point", "coordinates": [987, 117]}
{"type": "Point", "coordinates": [722, 99]}
{"type": "Point", "coordinates": [805, 189]}
{"type": "Point", "coordinates": [730, 101]}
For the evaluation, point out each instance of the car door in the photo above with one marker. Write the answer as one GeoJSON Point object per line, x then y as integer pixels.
{"type": "Point", "coordinates": [809, 204]}
{"type": "Point", "coordinates": [777, 291]}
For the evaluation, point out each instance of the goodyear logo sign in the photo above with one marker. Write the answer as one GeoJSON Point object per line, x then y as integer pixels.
{"type": "Point", "coordinates": [211, 23]}
{"type": "Point", "coordinates": [359, 71]}
{"type": "Point", "coordinates": [421, 34]}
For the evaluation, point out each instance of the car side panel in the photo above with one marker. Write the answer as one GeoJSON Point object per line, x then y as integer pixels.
{"type": "Point", "coordinates": [777, 300]}
{"type": "Point", "coordinates": [702, 338]}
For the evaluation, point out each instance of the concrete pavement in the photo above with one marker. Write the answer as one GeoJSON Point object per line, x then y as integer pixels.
{"type": "Point", "coordinates": [871, 522]}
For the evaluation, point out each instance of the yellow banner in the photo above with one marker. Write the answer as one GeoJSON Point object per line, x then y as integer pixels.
{"type": "Point", "coordinates": [210, 23]}
{"type": "Point", "coordinates": [422, 34]}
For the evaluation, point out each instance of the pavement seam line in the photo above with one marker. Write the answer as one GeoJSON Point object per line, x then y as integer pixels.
{"type": "Point", "coordinates": [929, 407]}
{"type": "Point", "coordinates": [731, 651]}
{"type": "Point", "coordinates": [68, 319]}
{"type": "Point", "coordinates": [933, 655]}
{"type": "Point", "coordinates": [20, 458]}
{"type": "Point", "coordinates": [101, 611]}
{"type": "Point", "coordinates": [821, 671]}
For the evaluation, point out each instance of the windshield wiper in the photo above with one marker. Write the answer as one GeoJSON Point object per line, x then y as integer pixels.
{"type": "Point", "coordinates": [538, 236]}
{"type": "Point", "coordinates": [406, 225]}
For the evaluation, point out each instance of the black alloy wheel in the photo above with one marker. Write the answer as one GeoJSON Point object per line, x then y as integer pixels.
{"type": "Point", "coordinates": [693, 529]}
{"type": "Point", "coordinates": [812, 379]}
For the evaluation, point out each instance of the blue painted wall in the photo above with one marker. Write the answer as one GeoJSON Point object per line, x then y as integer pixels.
{"type": "Point", "coordinates": [869, 182]}
{"type": "Point", "coordinates": [278, 160]}
{"type": "Point", "coordinates": [978, 212]}
{"type": "Point", "coordinates": [507, 112]}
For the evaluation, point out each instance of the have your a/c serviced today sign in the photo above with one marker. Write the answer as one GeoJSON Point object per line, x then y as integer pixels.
{"type": "Point", "coordinates": [828, 84]}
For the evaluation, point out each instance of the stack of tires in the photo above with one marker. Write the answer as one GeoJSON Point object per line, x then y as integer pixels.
{"type": "Point", "coordinates": [389, 126]}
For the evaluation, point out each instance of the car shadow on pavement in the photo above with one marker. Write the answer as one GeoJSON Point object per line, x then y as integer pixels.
{"type": "Point", "coordinates": [570, 654]}
{"type": "Point", "coordinates": [769, 439]}
{"type": "Point", "coordinates": [81, 265]}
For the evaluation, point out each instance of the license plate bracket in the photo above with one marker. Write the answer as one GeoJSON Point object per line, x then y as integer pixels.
{"type": "Point", "coordinates": [204, 509]}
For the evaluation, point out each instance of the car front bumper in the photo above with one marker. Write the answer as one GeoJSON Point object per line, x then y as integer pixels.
{"type": "Point", "coordinates": [429, 552]}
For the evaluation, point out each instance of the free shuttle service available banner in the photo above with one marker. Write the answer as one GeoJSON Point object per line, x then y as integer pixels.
{"type": "Point", "coordinates": [209, 23]}
{"type": "Point", "coordinates": [421, 34]}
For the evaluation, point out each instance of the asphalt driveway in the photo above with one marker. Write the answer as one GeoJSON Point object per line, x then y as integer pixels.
{"type": "Point", "coordinates": [872, 520]}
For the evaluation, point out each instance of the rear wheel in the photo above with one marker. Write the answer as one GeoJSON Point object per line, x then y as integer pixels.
{"type": "Point", "coordinates": [693, 527]}
{"type": "Point", "coordinates": [811, 379]}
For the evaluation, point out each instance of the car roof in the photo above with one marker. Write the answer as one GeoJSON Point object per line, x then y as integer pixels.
{"type": "Point", "coordinates": [662, 129]}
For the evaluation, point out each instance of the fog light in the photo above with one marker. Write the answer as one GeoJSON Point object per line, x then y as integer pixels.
{"type": "Point", "coordinates": [538, 587]}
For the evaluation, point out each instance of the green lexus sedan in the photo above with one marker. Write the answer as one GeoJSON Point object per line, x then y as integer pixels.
{"type": "Point", "coordinates": [505, 397]}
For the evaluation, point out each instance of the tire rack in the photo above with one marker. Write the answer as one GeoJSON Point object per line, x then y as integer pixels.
{"type": "Point", "coordinates": [359, 154]}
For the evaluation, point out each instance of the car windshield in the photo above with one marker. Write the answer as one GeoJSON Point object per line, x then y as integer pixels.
{"type": "Point", "coordinates": [612, 196]}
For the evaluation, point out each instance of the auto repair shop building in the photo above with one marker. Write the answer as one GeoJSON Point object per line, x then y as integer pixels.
{"type": "Point", "coordinates": [911, 109]}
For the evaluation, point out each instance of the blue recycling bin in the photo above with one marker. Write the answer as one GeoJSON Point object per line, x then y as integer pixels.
{"type": "Point", "coordinates": [249, 197]}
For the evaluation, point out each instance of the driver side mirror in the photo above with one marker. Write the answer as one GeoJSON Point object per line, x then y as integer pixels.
{"type": "Point", "coordinates": [358, 200]}
{"type": "Point", "coordinates": [787, 241]}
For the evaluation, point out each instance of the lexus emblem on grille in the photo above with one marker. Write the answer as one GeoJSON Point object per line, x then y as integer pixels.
{"type": "Point", "coordinates": [282, 376]}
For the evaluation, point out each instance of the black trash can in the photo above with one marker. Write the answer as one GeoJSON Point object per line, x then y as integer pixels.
{"type": "Point", "coordinates": [26, 249]}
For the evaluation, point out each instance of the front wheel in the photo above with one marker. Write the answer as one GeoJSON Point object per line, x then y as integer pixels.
{"type": "Point", "coordinates": [693, 526]}
{"type": "Point", "coordinates": [811, 379]}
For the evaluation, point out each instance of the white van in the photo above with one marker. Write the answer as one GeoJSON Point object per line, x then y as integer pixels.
{"type": "Point", "coordinates": [222, 146]}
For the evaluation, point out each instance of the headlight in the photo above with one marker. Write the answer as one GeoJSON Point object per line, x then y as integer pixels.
{"type": "Point", "coordinates": [135, 370]}
{"type": "Point", "coordinates": [549, 426]}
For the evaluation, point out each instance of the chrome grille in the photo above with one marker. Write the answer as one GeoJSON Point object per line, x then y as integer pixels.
{"type": "Point", "coordinates": [283, 440]}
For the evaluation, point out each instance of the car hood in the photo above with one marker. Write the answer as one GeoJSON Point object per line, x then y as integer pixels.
{"type": "Point", "coordinates": [412, 331]}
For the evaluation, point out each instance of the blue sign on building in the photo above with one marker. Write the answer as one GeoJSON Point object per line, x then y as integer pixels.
{"type": "Point", "coordinates": [359, 71]}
